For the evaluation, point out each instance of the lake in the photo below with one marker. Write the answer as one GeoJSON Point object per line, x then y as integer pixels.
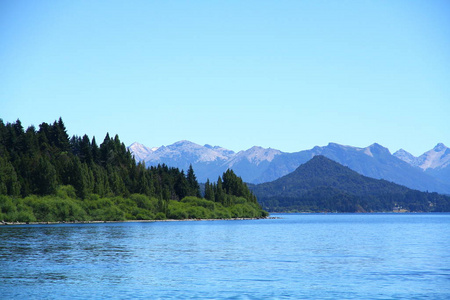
{"type": "Point", "coordinates": [296, 256]}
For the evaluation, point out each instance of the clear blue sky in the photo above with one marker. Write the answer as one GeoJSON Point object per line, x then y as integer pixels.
{"type": "Point", "coordinates": [283, 74]}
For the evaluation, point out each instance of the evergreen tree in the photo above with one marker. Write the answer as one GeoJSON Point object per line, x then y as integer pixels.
{"type": "Point", "coordinates": [85, 150]}
{"type": "Point", "coordinates": [9, 182]}
{"type": "Point", "coordinates": [101, 183]}
{"type": "Point", "coordinates": [95, 151]}
{"type": "Point", "coordinates": [45, 177]}
{"type": "Point", "coordinates": [106, 150]}
{"type": "Point", "coordinates": [30, 141]}
{"type": "Point", "coordinates": [143, 180]}
{"type": "Point", "coordinates": [181, 188]}
{"type": "Point", "coordinates": [77, 178]}
{"type": "Point", "coordinates": [219, 194]}
{"type": "Point", "coordinates": [58, 136]}
{"type": "Point", "coordinates": [116, 183]}
{"type": "Point", "coordinates": [194, 187]}
{"type": "Point", "coordinates": [209, 191]}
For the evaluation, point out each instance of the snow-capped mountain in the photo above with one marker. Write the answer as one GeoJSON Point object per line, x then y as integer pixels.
{"type": "Point", "coordinates": [255, 155]}
{"type": "Point", "coordinates": [140, 151]}
{"type": "Point", "coordinates": [185, 150]}
{"type": "Point", "coordinates": [252, 163]}
{"type": "Point", "coordinates": [406, 157]}
{"type": "Point", "coordinates": [258, 165]}
{"type": "Point", "coordinates": [435, 162]}
{"type": "Point", "coordinates": [436, 158]}
{"type": "Point", "coordinates": [208, 161]}
{"type": "Point", "coordinates": [204, 159]}
{"type": "Point", "coordinates": [221, 150]}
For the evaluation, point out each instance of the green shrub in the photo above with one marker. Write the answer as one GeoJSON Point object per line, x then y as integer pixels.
{"type": "Point", "coordinates": [198, 212]}
{"type": "Point", "coordinates": [112, 213]}
{"type": "Point", "coordinates": [49, 209]}
{"type": "Point", "coordinates": [8, 209]}
{"type": "Point", "coordinates": [26, 216]}
{"type": "Point", "coordinates": [144, 215]}
{"type": "Point", "coordinates": [66, 191]}
{"type": "Point", "coordinates": [177, 214]}
{"type": "Point", "coordinates": [222, 213]}
{"type": "Point", "coordinates": [145, 202]}
{"type": "Point", "coordinates": [160, 216]}
{"type": "Point", "coordinates": [194, 201]}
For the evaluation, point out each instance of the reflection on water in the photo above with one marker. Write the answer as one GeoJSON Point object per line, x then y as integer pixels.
{"type": "Point", "coordinates": [299, 256]}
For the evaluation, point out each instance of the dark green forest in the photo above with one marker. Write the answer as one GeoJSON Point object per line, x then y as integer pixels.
{"type": "Point", "coordinates": [323, 185]}
{"type": "Point", "coordinates": [47, 176]}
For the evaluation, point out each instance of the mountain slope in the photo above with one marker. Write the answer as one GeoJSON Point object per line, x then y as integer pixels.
{"type": "Point", "coordinates": [208, 161]}
{"type": "Point", "coordinates": [257, 165]}
{"type": "Point", "coordinates": [374, 161]}
{"type": "Point", "coordinates": [406, 157]}
{"type": "Point", "coordinates": [140, 151]}
{"type": "Point", "coordinates": [252, 163]}
{"type": "Point", "coordinates": [436, 158]}
{"type": "Point", "coordinates": [324, 185]}
{"type": "Point", "coordinates": [435, 162]}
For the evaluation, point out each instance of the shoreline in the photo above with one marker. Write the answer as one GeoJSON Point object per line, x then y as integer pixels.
{"type": "Point", "coordinates": [128, 221]}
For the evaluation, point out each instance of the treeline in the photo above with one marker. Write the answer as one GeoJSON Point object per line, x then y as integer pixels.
{"type": "Point", "coordinates": [327, 199]}
{"type": "Point", "coordinates": [227, 188]}
{"type": "Point", "coordinates": [40, 163]}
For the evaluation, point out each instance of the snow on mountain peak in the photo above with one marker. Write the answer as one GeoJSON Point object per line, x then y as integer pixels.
{"type": "Point", "coordinates": [368, 152]}
{"type": "Point", "coordinates": [256, 155]}
{"type": "Point", "coordinates": [406, 157]}
{"type": "Point", "coordinates": [139, 151]}
{"type": "Point", "coordinates": [336, 145]}
{"type": "Point", "coordinates": [188, 151]}
{"type": "Point", "coordinates": [436, 158]}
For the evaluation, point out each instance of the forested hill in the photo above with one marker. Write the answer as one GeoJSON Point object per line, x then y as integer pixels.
{"type": "Point", "coordinates": [47, 176]}
{"type": "Point", "coordinates": [324, 185]}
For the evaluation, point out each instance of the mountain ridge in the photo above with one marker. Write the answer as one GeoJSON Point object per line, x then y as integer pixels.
{"type": "Point", "coordinates": [257, 164]}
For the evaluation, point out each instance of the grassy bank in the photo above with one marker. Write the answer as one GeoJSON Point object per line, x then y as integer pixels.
{"type": "Point", "coordinates": [64, 206]}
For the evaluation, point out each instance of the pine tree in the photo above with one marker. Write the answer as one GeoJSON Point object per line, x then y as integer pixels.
{"type": "Point", "coordinates": [181, 187]}
{"type": "Point", "coordinates": [45, 177]}
{"type": "Point", "coordinates": [95, 151]}
{"type": "Point", "coordinates": [194, 187]}
{"type": "Point", "coordinates": [61, 138]}
{"type": "Point", "coordinates": [209, 191]}
{"type": "Point", "coordinates": [219, 194]}
{"type": "Point", "coordinates": [77, 178]}
{"type": "Point", "coordinates": [85, 150]}
{"type": "Point", "coordinates": [9, 182]}
{"type": "Point", "coordinates": [106, 149]}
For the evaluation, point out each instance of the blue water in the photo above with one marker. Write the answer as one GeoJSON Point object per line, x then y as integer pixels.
{"type": "Point", "coordinates": [299, 256]}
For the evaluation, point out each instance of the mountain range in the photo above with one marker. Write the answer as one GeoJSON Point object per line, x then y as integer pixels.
{"type": "Point", "coordinates": [428, 172]}
{"type": "Point", "coordinates": [435, 162]}
{"type": "Point", "coordinates": [324, 185]}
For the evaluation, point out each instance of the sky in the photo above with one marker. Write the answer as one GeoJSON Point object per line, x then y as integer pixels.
{"type": "Point", "coordinates": [288, 75]}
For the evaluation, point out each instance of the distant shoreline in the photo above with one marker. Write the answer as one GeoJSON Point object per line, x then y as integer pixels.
{"type": "Point", "coordinates": [128, 221]}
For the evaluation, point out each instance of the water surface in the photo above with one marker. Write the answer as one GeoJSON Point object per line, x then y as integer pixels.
{"type": "Point", "coordinates": [299, 256]}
